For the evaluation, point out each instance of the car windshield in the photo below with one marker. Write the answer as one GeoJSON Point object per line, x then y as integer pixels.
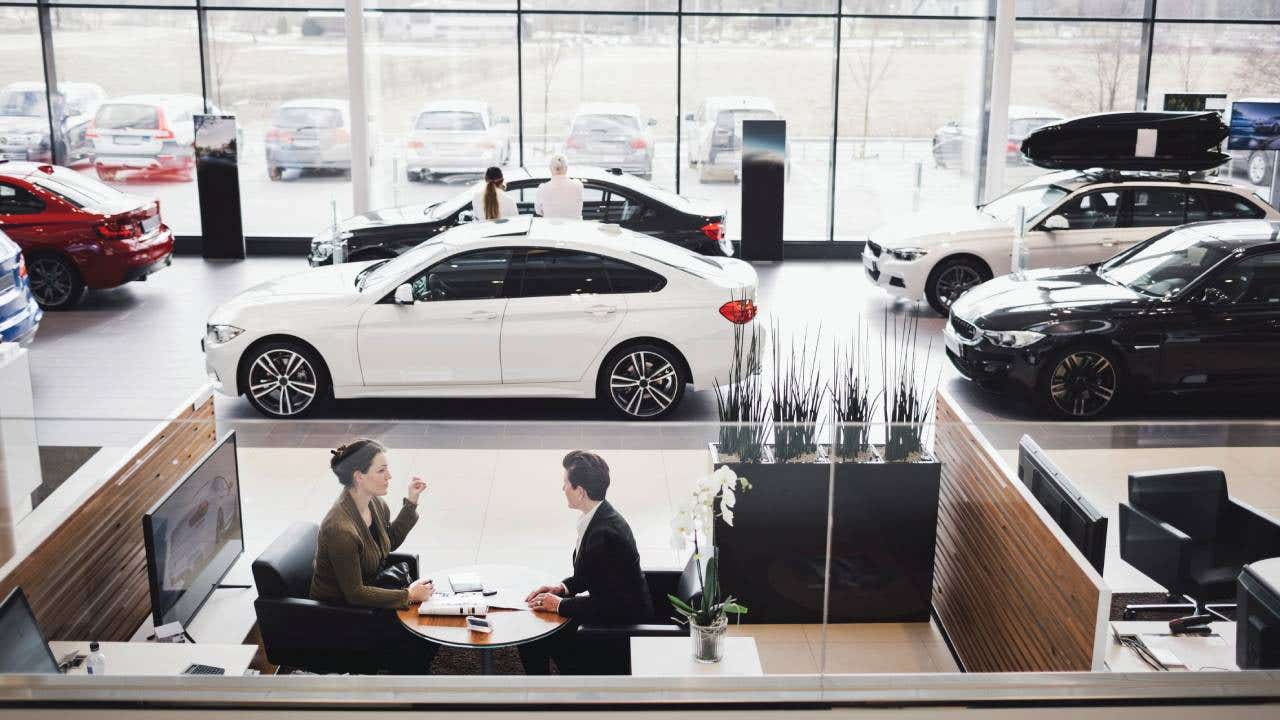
{"type": "Point", "coordinates": [129, 115]}
{"type": "Point", "coordinates": [79, 190]}
{"type": "Point", "coordinates": [380, 272]}
{"type": "Point", "coordinates": [605, 124]}
{"type": "Point", "coordinates": [450, 121]}
{"type": "Point", "coordinates": [732, 119]}
{"type": "Point", "coordinates": [1036, 198]}
{"type": "Point", "coordinates": [23, 103]}
{"type": "Point", "coordinates": [1167, 265]}
{"type": "Point", "coordinates": [442, 210]}
{"type": "Point", "coordinates": [300, 117]}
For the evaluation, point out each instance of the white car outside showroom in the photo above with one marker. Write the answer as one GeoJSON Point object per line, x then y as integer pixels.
{"type": "Point", "coordinates": [1071, 218]}
{"type": "Point", "coordinates": [522, 307]}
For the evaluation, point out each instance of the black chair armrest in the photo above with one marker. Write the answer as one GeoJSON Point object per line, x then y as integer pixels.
{"type": "Point", "coordinates": [600, 632]}
{"type": "Point", "coordinates": [314, 610]}
{"type": "Point", "coordinates": [1159, 550]}
{"type": "Point", "coordinates": [1257, 535]}
{"type": "Point", "coordinates": [411, 558]}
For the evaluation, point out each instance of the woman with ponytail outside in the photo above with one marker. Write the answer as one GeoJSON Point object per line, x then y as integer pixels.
{"type": "Point", "coordinates": [358, 533]}
{"type": "Point", "coordinates": [492, 201]}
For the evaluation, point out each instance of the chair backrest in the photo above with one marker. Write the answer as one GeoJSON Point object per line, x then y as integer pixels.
{"type": "Point", "coordinates": [284, 569]}
{"type": "Point", "coordinates": [1190, 499]}
{"type": "Point", "coordinates": [683, 584]}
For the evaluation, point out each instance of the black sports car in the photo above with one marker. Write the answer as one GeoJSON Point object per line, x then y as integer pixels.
{"type": "Point", "coordinates": [1196, 308]}
{"type": "Point", "coordinates": [608, 196]}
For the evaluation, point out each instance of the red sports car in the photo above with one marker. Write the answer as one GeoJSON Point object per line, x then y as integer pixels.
{"type": "Point", "coordinates": [78, 233]}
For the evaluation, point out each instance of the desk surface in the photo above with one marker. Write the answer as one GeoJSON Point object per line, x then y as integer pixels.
{"type": "Point", "coordinates": [673, 657]}
{"type": "Point", "coordinates": [510, 627]}
{"type": "Point", "coordinates": [1212, 652]}
{"type": "Point", "coordinates": [140, 658]}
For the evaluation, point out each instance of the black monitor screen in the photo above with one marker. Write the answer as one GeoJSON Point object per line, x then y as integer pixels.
{"type": "Point", "coordinates": [1083, 525]}
{"type": "Point", "coordinates": [23, 648]}
{"type": "Point", "coordinates": [194, 535]}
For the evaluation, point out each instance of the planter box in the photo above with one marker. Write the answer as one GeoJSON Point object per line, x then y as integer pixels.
{"type": "Point", "coordinates": [885, 522]}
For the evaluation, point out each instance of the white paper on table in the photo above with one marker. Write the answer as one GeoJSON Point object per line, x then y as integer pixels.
{"type": "Point", "coordinates": [504, 600]}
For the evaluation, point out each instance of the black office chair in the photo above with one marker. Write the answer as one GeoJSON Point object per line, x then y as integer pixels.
{"type": "Point", "coordinates": [1183, 531]}
{"type": "Point", "coordinates": [302, 633]}
{"type": "Point", "coordinates": [611, 644]}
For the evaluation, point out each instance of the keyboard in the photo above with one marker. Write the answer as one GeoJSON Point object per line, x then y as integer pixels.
{"type": "Point", "coordinates": [196, 669]}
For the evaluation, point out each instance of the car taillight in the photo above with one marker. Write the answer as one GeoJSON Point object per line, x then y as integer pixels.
{"type": "Point", "coordinates": [573, 142]}
{"type": "Point", "coordinates": [416, 144]}
{"type": "Point", "coordinates": [739, 312]}
{"type": "Point", "coordinates": [1013, 146]}
{"type": "Point", "coordinates": [273, 135]}
{"type": "Point", "coordinates": [92, 132]}
{"type": "Point", "coordinates": [714, 230]}
{"type": "Point", "coordinates": [341, 135]}
{"type": "Point", "coordinates": [162, 134]}
{"type": "Point", "coordinates": [638, 143]}
{"type": "Point", "coordinates": [22, 267]}
{"type": "Point", "coordinates": [116, 229]}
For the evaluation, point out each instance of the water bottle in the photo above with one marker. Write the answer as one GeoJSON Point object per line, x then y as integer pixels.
{"type": "Point", "coordinates": [96, 664]}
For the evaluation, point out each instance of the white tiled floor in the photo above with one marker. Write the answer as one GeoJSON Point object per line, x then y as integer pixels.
{"type": "Point", "coordinates": [505, 506]}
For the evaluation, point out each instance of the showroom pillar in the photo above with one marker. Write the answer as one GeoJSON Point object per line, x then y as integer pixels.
{"type": "Point", "coordinates": [998, 109]}
{"type": "Point", "coordinates": [57, 140]}
{"type": "Point", "coordinates": [356, 84]}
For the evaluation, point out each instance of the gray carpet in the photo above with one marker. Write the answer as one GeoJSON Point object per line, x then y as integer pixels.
{"type": "Point", "coordinates": [57, 463]}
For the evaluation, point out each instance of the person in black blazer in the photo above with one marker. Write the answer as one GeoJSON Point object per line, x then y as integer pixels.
{"type": "Point", "coordinates": [606, 567]}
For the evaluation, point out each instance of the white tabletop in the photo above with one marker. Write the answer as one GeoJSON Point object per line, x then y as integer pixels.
{"type": "Point", "coordinates": [1209, 652]}
{"type": "Point", "coordinates": [673, 657]}
{"type": "Point", "coordinates": [139, 658]}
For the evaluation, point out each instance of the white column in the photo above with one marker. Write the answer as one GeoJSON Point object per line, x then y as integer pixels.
{"type": "Point", "coordinates": [19, 450]}
{"type": "Point", "coordinates": [998, 115]}
{"type": "Point", "coordinates": [360, 185]}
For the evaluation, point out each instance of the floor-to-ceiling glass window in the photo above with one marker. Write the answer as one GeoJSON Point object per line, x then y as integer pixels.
{"type": "Point", "coordinates": [146, 62]}
{"type": "Point", "coordinates": [910, 96]}
{"type": "Point", "coordinates": [24, 110]}
{"type": "Point", "coordinates": [765, 67]}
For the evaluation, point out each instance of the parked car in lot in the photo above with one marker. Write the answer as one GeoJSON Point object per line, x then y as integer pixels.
{"type": "Point", "coordinates": [20, 314]}
{"type": "Point", "coordinates": [613, 135]}
{"type": "Point", "coordinates": [519, 307]}
{"type": "Point", "coordinates": [611, 197]}
{"type": "Point", "coordinates": [456, 136]}
{"type": "Point", "coordinates": [1072, 218]}
{"type": "Point", "coordinates": [1195, 309]}
{"type": "Point", "coordinates": [714, 133]}
{"type": "Point", "coordinates": [24, 120]}
{"type": "Point", "coordinates": [78, 234]}
{"type": "Point", "coordinates": [309, 135]}
{"type": "Point", "coordinates": [146, 135]}
{"type": "Point", "coordinates": [954, 145]}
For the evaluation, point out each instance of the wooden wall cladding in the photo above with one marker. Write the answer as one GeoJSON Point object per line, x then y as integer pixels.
{"type": "Point", "coordinates": [88, 579]}
{"type": "Point", "coordinates": [1010, 591]}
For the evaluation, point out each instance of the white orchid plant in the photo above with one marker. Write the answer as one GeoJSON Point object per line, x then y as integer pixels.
{"type": "Point", "coordinates": [695, 523]}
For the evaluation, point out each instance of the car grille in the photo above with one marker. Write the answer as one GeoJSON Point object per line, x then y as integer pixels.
{"type": "Point", "coordinates": [966, 330]}
{"type": "Point", "coordinates": [875, 249]}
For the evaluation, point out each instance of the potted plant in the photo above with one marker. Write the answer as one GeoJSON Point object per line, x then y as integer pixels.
{"type": "Point", "coordinates": [740, 403]}
{"type": "Point", "coordinates": [707, 613]}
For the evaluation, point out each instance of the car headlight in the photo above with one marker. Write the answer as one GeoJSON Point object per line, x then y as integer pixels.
{"type": "Point", "coordinates": [1013, 338]}
{"type": "Point", "coordinates": [218, 334]}
{"type": "Point", "coordinates": [908, 254]}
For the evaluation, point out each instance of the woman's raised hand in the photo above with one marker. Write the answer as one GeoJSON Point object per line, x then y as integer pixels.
{"type": "Point", "coordinates": [416, 487]}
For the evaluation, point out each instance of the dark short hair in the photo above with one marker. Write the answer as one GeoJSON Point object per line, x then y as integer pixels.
{"type": "Point", "coordinates": [349, 458]}
{"type": "Point", "coordinates": [589, 471]}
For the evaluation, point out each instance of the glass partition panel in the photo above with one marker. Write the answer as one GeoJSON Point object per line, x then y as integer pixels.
{"type": "Point", "coordinates": [909, 99]}
{"type": "Point", "coordinates": [140, 137]}
{"type": "Point", "coordinates": [284, 76]}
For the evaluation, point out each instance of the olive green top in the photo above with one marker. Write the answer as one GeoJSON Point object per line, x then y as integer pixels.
{"type": "Point", "coordinates": [350, 554]}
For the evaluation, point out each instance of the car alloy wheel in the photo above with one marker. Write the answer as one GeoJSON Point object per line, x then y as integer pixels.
{"type": "Point", "coordinates": [643, 383]}
{"type": "Point", "coordinates": [282, 382]}
{"type": "Point", "coordinates": [1083, 383]}
{"type": "Point", "coordinates": [54, 282]}
{"type": "Point", "coordinates": [954, 282]}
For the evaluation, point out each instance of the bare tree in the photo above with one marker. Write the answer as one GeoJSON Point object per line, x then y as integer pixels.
{"type": "Point", "coordinates": [867, 68]}
{"type": "Point", "coordinates": [1189, 69]}
{"type": "Point", "coordinates": [549, 53]}
{"type": "Point", "coordinates": [1106, 63]}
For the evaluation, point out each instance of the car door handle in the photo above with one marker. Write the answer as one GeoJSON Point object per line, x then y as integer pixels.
{"type": "Point", "coordinates": [482, 315]}
{"type": "Point", "coordinates": [601, 310]}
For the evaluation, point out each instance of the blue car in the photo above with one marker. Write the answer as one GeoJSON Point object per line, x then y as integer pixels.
{"type": "Point", "coordinates": [19, 313]}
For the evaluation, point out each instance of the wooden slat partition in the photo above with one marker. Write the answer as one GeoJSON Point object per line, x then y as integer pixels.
{"type": "Point", "coordinates": [87, 580]}
{"type": "Point", "coordinates": [1012, 593]}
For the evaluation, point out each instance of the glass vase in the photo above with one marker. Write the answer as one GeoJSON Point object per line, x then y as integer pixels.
{"type": "Point", "coordinates": [708, 640]}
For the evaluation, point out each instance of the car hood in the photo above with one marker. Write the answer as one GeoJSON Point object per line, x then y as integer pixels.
{"type": "Point", "coordinates": [384, 217]}
{"type": "Point", "coordinates": [939, 228]}
{"type": "Point", "coordinates": [334, 282]}
{"type": "Point", "coordinates": [1011, 300]}
{"type": "Point", "coordinates": [23, 124]}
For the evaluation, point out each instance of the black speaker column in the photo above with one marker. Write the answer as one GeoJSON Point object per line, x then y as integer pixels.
{"type": "Point", "coordinates": [218, 182]}
{"type": "Point", "coordinates": [764, 178]}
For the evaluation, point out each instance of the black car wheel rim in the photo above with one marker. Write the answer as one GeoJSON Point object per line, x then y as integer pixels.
{"type": "Point", "coordinates": [282, 382]}
{"type": "Point", "coordinates": [643, 384]}
{"type": "Point", "coordinates": [954, 281]}
{"type": "Point", "coordinates": [51, 281]}
{"type": "Point", "coordinates": [1083, 384]}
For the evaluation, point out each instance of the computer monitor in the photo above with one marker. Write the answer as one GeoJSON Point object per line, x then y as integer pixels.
{"type": "Point", "coordinates": [194, 535]}
{"type": "Point", "coordinates": [1078, 518]}
{"type": "Point", "coordinates": [1258, 616]}
{"type": "Point", "coordinates": [23, 648]}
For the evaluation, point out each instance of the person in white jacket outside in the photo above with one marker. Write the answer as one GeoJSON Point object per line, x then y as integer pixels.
{"type": "Point", "coordinates": [561, 196]}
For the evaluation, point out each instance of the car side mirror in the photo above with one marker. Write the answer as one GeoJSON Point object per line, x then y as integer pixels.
{"type": "Point", "coordinates": [503, 120]}
{"type": "Point", "coordinates": [688, 117]}
{"type": "Point", "coordinates": [404, 294]}
{"type": "Point", "coordinates": [466, 216]}
{"type": "Point", "coordinates": [653, 122]}
{"type": "Point", "coordinates": [1213, 296]}
{"type": "Point", "coordinates": [1056, 222]}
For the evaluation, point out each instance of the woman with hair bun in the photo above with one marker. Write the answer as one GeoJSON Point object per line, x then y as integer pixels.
{"type": "Point", "coordinates": [358, 534]}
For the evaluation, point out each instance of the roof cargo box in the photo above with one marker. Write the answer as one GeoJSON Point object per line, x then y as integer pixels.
{"type": "Point", "coordinates": [1130, 141]}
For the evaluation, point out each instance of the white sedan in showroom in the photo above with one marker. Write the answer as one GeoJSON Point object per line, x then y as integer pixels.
{"type": "Point", "coordinates": [1071, 218]}
{"type": "Point", "coordinates": [521, 307]}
